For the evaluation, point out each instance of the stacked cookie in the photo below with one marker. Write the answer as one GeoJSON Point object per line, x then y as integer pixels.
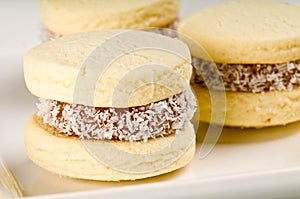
{"type": "Point", "coordinates": [114, 105]}
{"type": "Point", "coordinates": [67, 17]}
{"type": "Point", "coordinates": [255, 47]}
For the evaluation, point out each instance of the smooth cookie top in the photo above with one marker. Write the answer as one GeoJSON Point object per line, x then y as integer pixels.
{"type": "Point", "coordinates": [108, 68]}
{"type": "Point", "coordinates": [63, 17]}
{"type": "Point", "coordinates": [247, 31]}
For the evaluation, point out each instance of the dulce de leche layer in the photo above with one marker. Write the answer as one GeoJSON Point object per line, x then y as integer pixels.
{"type": "Point", "coordinates": [133, 124]}
{"type": "Point", "coordinates": [255, 78]}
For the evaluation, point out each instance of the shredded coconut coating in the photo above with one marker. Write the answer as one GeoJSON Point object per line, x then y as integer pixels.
{"type": "Point", "coordinates": [169, 30]}
{"type": "Point", "coordinates": [47, 35]}
{"type": "Point", "coordinates": [255, 78]}
{"type": "Point", "coordinates": [133, 124]}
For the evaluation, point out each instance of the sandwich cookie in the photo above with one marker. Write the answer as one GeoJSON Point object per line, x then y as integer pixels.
{"type": "Point", "coordinates": [255, 45]}
{"type": "Point", "coordinates": [63, 17]}
{"type": "Point", "coordinates": [129, 121]}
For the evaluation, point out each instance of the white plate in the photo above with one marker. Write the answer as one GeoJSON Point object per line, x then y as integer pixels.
{"type": "Point", "coordinates": [252, 163]}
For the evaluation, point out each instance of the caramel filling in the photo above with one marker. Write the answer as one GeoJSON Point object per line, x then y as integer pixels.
{"type": "Point", "coordinates": [134, 124]}
{"type": "Point", "coordinates": [255, 78]}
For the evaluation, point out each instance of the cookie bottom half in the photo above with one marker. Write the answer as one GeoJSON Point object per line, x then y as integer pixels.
{"type": "Point", "coordinates": [67, 156]}
{"type": "Point", "coordinates": [245, 109]}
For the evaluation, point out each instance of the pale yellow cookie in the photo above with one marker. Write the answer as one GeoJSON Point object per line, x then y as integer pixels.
{"type": "Point", "coordinates": [252, 109]}
{"type": "Point", "coordinates": [260, 36]}
{"type": "Point", "coordinates": [63, 69]}
{"type": "Point", "coordinates": [115, 105]}
{"type": "Point", "coordinates": [63, 17]}
{"type": "Point", "coordinates": [68, 156]}
{"type": "Point", "coordinates": [247, 31]}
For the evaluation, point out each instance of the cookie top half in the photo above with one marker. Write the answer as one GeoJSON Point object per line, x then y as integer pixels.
{"type": "Point", "coordinates": [63, 17]}
{"type": "Point", "coordinates": [103, 67]}
{"type": "Point", "coordinates": [247, 31]}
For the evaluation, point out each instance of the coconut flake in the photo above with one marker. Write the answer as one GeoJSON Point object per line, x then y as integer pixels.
{"type": "Point", "coordinates": [254, 78]}
{"type": "Point", "coordinates": [133, 124]}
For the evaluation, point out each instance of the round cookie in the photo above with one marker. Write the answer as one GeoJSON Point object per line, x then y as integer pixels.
{"type": "Point", "coordinates": [63, 17]}
{"type": "Point", "coordinates": [246, 31]}
{"type": "Point", "coordinates": [68, 156]}
{"type": "Point", "coordinates": [253, 110]}
{"type": "Point", "coordinates": [113, 105]}
{"type": "Point", "coordinates": [47, 66]}
{"type": "Point", "coordinates": [254, 47]}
